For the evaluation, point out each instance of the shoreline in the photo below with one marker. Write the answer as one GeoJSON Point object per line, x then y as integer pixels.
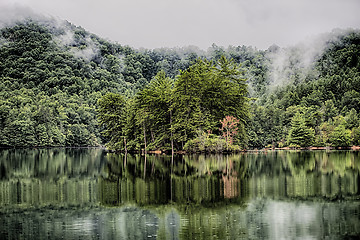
{"type": "Point", "coordinates": [182, 152]}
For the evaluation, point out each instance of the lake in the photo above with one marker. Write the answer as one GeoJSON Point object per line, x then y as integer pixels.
{"type": "Point", "coordinates": [84, 193]}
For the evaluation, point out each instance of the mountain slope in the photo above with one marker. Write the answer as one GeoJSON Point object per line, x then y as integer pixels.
{"type": "Point", "coordinates": [49, 87]}
{"type": "Point", "coordinates": [52, 74]}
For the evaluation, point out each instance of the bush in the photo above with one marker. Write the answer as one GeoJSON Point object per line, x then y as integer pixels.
{"type": "Point", "coordinates": [208, 143]}
{"type": "Point", "coordinates": [341, 137]}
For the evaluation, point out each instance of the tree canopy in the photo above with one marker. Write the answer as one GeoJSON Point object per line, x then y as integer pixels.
{"type": "Point", "coordinates": [63, 86]}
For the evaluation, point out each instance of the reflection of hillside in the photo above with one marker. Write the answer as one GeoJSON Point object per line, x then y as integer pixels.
{"type": "Point", "coordinates": [56, 177]}
{"type": "Point", "coordinates": [307, 186]}
{"type": "Point", "coordinates": [304, 174]}
{"type": "Point", "coordinates": [124, 223]}
{"type": "Point", "coordinates": [34, 193]}
{"type": "Point", "coordinates": [88, 194]}
{"type": "Point", "coordinates": [260, 219]}
{"type": "Point", "coordinates": [159, 166]}
{"type": "Point", "coordinates": [302, 162]}
{"type": "Point", "coordinates": [233, 165]}
{"type": "Point", "coordinates": [85, 177]}
{"type": "Point", "coordinates": [50, 163]}
{"type": "Point", "coordinates": [213, 178]}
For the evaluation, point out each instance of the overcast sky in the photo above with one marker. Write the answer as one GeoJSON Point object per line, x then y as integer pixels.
{"type": "Point", "coordinates": [177, 23]}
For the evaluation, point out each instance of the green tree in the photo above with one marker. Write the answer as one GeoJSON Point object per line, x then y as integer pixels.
{"type": "Point", "coordinates": [356, 136]}
{"type": "Point", "coordinates": [111, 118]}
{"type": "Point", "coordinates": [205, 93]}
{"type": "Point", "coordinates": [300, 134]}
{"type": "Point", "coordinates": [156, 100]}
{"type": "Point", "coordinates": [351, 119]}
{"type": "Point", "coordinates": [340, 137]}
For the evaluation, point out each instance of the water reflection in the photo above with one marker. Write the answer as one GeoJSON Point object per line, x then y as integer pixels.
{"type": "Point", "coordinates": [187, 181]}
{"type": "Point", "coordinates": [88, 193]}
{"type": "Point", "coordinates": [36, 178]}
{"type": "Point", "coordinates": [124, 223]}
{"type": "Point", "coordinates": [261, 219]}
{"type": "Point", "coordinates": [62, 177]}
{"type": "Point", "coordinates": [51, 163]}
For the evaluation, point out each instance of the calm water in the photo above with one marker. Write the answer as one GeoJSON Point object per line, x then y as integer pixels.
{"type": "Point", "coordinates": [88, 194]}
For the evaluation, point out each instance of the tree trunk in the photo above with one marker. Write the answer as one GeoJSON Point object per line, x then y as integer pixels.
{"type": "Point", "coordinates": [144, 150]}
{"type": "Point", "coordinates": [125, 159]}
{"type": "Point", "coordinates": [172, 140]}
{"type": "Point", "coordinates": [145, 166]}
{"type": "Point", "coordinates": [125, 145]}
{"type": "Point", "coordinates": [125, 152]}
{"type": "Point", "coordinates": [227, 140]}
{"type": "Point", "coordinates": [152, 135]}
{"type": "Point", "coordinates": [144, 138]}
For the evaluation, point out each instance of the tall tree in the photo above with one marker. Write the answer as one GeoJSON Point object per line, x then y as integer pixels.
{"type": "Point", "coordinates": [205, 93]}
{"type": "Point", "coordinates": [300, 134]}
{"type": "Point", "coordinates": [111, 118]}
{"type": "Point", "coordinates": [154, 109]}
{"type": "Point", "coordinates": [189, 115]}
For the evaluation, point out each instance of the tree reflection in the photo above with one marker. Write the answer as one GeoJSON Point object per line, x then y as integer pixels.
{"type": "Point", "coordinates": [214, 178]}
{"type": "Point", "coordinates": [250, 195]}
{"type": "Point", "coordinates": [83, 176]}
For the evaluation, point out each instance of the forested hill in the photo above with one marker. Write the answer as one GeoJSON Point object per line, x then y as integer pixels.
{"type": "Point", "coordinates": [52, 75]}
{"type": "Point", "coordinates": [320, 106]}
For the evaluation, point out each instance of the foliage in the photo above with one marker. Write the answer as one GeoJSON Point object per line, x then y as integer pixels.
{"type": "Point", "coordinates": [207, 92]}
{"type": "Point", "coordinates": [229, 129]}
{"type": "Point", "coordinates": [168, 113]}
{"type": "Point", "coordinates": [111, 118]}
{"type": "Point", "coordinates": [53, 75]}
{"type": "Point", "coordinates": [340, 137]}
{"type": "Point", "coordinates": [205, 142]}
{"type": "Point", "coordinates": [299, 134]}
{"type": "Point", "coordinates": [328, 92]}
{"type": "Point", "coordinates": [153, 105]}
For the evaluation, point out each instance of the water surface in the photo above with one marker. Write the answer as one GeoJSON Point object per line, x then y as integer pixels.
{"type": "Point", "coordinates": [89, 194]}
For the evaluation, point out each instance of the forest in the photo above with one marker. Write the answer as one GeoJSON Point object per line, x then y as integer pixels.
{"type": "Point", "coordinates": [63, 86]}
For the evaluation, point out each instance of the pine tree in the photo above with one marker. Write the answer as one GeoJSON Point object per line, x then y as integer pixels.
{"type": "Point", "coordinates": [300, 135]}
{"type": "Point", "coordinates": [154, 109]}
{"type": "Point", "coordinates": [111, 118]}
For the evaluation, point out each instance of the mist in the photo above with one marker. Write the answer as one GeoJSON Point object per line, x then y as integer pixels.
{"type": "Point", "coordinates": [291, 64]}
{"type": "Point", "coordinates": [87, 51]}
{"type": "Point", "coordinates": [13, 14]}
{"type": "Point", "coordinates": [160, 23]}
{"type": "Point", "coordinates": [295, 64]}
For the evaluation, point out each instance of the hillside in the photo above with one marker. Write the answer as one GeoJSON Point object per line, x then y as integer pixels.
{"type": "Point", "coordinates": [321, 104]}
{"type": "Point", "coordinates": [52, 75]}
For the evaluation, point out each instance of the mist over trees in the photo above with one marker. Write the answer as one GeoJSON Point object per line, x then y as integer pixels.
{"type": "Point", "coordinates": [63, 86]}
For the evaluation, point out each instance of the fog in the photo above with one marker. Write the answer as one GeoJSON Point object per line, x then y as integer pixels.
{"type": "Point", "coordinates": [296, 63]}
{"type": "Point", "coordinates": [171, 23]}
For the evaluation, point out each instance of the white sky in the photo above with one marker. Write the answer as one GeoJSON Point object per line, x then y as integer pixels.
{"type": "Point", "coordinates": [177, 23]}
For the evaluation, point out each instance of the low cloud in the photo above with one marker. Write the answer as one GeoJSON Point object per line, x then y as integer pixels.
{"type": "Point", "coordinates": [294, 64]}
{"type": "Point", "coordinates": [163, 23]}
{"type": "Point", "coordinates": [12, 14]}
{"type": "Point", "coordinates": [87, 53]}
